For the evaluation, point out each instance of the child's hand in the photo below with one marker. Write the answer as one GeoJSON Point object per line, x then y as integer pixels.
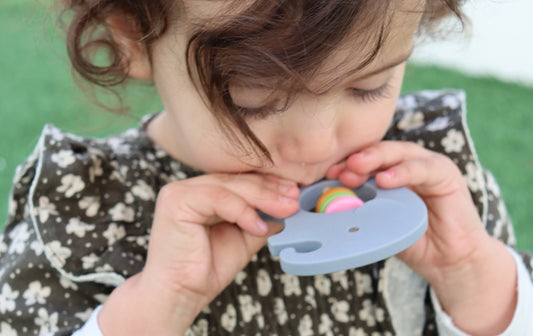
{"type": "Point", "coordinates": [195, 250]}
{"type": "Point", "coordinates": [459, 259]}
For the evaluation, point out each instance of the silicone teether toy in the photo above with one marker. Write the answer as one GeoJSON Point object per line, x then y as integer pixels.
{"type": "Point", "coordinates": [389, 221]}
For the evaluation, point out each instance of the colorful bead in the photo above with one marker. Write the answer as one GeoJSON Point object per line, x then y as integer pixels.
{"type": "Point", "coordinates": [338, 199]}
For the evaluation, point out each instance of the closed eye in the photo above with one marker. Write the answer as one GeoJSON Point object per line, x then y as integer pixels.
{"type": "Point", "coordinates": [370, 96]}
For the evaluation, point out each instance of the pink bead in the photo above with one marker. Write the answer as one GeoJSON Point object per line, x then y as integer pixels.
{"type": "Point", "coordinates": [343, 203]}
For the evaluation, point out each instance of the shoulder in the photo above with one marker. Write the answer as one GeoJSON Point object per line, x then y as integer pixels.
{"type": "Point", "coordinates": [436, 119]}
{"type": "Point", "coordinates": [431, 111]}
{"type": "Point", "coordinates": [89, 202]}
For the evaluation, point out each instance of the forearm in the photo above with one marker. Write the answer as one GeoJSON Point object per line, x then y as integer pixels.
{"type": "Point", "coordinates": [481, 295]}
{"type": "Point", "coordinates": [134, 310]}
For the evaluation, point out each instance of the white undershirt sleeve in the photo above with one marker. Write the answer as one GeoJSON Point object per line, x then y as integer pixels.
{"type": "Point", "coordinates": [90, 328]}
{"type": "Point", "coordinates": [522, 322]}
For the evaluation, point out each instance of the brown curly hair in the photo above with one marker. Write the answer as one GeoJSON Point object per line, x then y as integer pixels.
{"type": "Point", "coordinates": [283, 41]}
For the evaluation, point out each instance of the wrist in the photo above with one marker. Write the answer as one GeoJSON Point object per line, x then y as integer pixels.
{"type": "Point", "coordinates": [479, 294]}
{"type": "Point", "coordinates": [136, 309]}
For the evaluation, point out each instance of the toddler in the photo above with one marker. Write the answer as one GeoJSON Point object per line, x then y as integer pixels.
{"type": "Point", "coordinates": [156, 231]}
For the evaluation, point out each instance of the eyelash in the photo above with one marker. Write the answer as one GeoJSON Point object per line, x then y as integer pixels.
{"type": "Point", "coordinates": [256, 113]}
{"type": "Point", "coordinates": [370, 96]}
{"type": "Point", "coordinates": [366, 96]}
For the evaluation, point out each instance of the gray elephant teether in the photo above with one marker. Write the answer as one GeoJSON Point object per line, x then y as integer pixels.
{"type": "Point", "coordinates": [389, 221]}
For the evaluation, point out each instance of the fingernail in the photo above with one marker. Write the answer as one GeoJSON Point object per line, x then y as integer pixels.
{"type": "Point", "coordinates": [262, 225]}
{"type": "Point", "coordinates": [284, 199]}
{"type": "Point", "coordinates": [389, 173]}
{"type": "Point", "coordinates": [284, 188]}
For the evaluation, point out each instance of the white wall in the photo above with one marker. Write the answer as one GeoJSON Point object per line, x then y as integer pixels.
{"type": "Point", "coordinates": [501, 43]}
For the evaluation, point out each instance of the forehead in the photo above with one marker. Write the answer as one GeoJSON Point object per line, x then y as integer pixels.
{"type": "Point", "coordinates": [386, 40]}
{"type": "Point", "coordinates": [397, 42]}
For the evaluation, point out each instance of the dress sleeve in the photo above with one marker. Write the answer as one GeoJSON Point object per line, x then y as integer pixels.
{"type": "Point", "coordinates": [70, 239]}
{"type": "Point", "coordinates": [521, 323]}
{"type": "Point", "coordinates": [437, 121]}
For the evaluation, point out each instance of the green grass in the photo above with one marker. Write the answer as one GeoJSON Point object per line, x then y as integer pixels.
{"type": "Point", "coordinates": [36, 88]}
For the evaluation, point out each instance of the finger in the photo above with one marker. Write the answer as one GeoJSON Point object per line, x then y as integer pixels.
{"type": "Point", "coordinates": [256, 187]}
{"type": "Point", "coordinates": [351, 179]}
{"type": "Point", "coordinates": [334, 171]}
{"type": "Point", "coordinates": [383, 155]}
{"type": "Point", "coordinates": [207, 204]}
{"type": "Point", "coordinates": [430, 175]}
{"type": "Point", "coordinates": [233, 208]}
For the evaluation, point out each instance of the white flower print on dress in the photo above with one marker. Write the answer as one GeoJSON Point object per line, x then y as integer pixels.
{"type": "Point", "coordinates": [101, 297]}
{"type": "Point", "coordinates": [119, 146]}
{"type": "Point", "coordinates": [371, 313]}
{"type": "Point", "coordinates": [305, 328]}
{"type": "Point", "coordinates": [63, 158]}
{"type": "Point", "coordinates": [249, 307]}
{"type": "Point", "coordinates": [473, 177]}
{"type": "Point", "coordinates": [407, 103]}
{"type": "Point", "coordinates": [264, 284]}
{"type": "Point", "coordinates": [45, 209]}
{"type": "Point", "coordinates": [201, 328]}
{"type": "Point", "coordinates": [142, 241]}
{"type": "Point", "coordinates": [493, 185]}
{"type": "Point", "coordinates": [95, 170]}
{"type": "Point", "coordinates": [70, 185]}
{"type": "Point", "coordinates": [340, 310]}
{"type": "Point", "coordinates": [60, 253]}
{"type": "Point", "coordinates": [438, 124]}
{"type": "Point", "coordinates": [77, 227]}
{"type": "Point", "coordinates": [67, 283]}
{"type": "Point", "coordinates": [325, 326]}
{"type": "Point", "coordinates": [6, 330]}
{"type": "Point", "coordinates": [19, 236]}
{"type": "Point", "coordinates": [280, 311]}
{"type": "Point", "coordinates": [7, 299]}
{"type": "Point", "coordinates": [36, 293]}
{"type": "Point", "coordinates": [363, 283]}
{"type": "Point", "coordinates": [451, 101]}
{"type": "Point", "coordinates": [291, 284]}
{"type": "Point", "coordinates": [411, 120]}
{"type": "Point", "coordinates": [90, 204]}
{"type": "Point", "coordinates": [47, 323]}
{"type": "Point", "coordinates": [239, 278]}
{"type": "Point", "coordinates": [121, 212]}
{"type": "Point", "coordinates": [128, 198]}
{"type": "Point", "coordinates": [104, 268]}
{"type": "Point", "coordinates": [3, 245]}
{"type": "Point", "coordinates": [310, 296]}
{"type": "Point", "coordinates": [12, 207]}
{"type": "Point", "coordinates": [143, 191]}
{"type": "Point", "coordinates": [84, 315]}
{"type": "Point", "coordinates": [36, 247]}
{"type": "Point", "coordinates": [341, 278]}
{"type": "Point", "coordinates": [356, 332]}
{"type": "Point", "coordinates": [454, 141]}
{"type": "Point", "coordinates": [89, 261]}
{"type": "Point", "coordinates": [323, 284]}
{"type": "Point", "coordinates": [114, 233]}
{"type": "Point", "coordinates": [229, 318]}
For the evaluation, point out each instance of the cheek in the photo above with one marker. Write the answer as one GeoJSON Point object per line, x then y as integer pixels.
{"type": "Point", "coordinates": [369, 124]}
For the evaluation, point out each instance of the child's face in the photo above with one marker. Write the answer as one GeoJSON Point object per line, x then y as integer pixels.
{"type": "Point", "coordinates": [315, 132]}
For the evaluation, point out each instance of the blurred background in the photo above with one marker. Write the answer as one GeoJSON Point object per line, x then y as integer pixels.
{"type": "Point", "coordinates": [494, 67]}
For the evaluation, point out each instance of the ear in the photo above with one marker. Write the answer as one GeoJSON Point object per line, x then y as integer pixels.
{"type": "Point", "coordinates": [126, 36]}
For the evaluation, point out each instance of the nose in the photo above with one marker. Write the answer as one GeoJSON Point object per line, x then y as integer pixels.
{"type": "Point", "coordinates": [309, 132]}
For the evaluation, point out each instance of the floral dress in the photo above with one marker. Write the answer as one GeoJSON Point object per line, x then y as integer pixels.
{"type": "Point", "coordinates": [79, 224]}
